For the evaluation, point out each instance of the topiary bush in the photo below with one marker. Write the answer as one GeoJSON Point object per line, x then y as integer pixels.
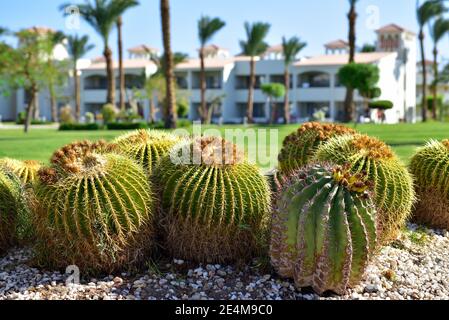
{"type": "Point", "coordinates": [324, 229]}
{"type": "Point", "coordinates": [381, 104]}
{"type": "Point", "coordinates": [147, 147]}
{"type": "Point", "coordinates": [93, 209]}
{"type": "Point", "coordinates": [299, 147]}
{"type": "Point", "coordinates": [429, 167]}
{"type": "Point", "coordinates": [392, 183]}
{"type": "Point", "coordinates": [25, 170]}
{"type": "Point", "coordinates": [13, 210]}
{"type": "Point", "coordinates": [216, 205]}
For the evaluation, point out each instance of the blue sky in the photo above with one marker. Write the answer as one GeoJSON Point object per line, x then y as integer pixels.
{"type": "Point", "coordinates": [316, 22]}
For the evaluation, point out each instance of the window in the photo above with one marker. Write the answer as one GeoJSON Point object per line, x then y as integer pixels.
{"type": "Point", "coordinates": [308, 110]}
{"type": "Point", "coordinates": [133, 81]}
{"type": "Point", "coordinates": [96, 83]}
{"type": "Point", "coordinates": [242, 82]}
{"type": "Point", "coordinates": [95, 108]}
{"type": "Point", "coordinates": [258, 110]}
{"type": "Point", "coordinates": [338, 83]}
{"type": "Point", "coordinates": [213, 80]}
{"type": "Point", "coordinates": [314, 80]}
{"type": "Point", "coordinates": [181, 81]}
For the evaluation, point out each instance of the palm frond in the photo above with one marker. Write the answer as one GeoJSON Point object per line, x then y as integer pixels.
{"type": "Point", "coordinates": [429, 10]}
{"type": "Point", "coordinates": [255, 33]}
{"type": "Point", "coordinates": [208, 27]}
{"type": "Point", "coordinates": [291, 47]}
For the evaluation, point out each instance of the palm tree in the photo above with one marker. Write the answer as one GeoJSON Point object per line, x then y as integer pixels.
{"type": "Point", "coordinates": [170, 103]}
{"type": "Point", "coordinates": [425, 13]}
{"type": "Point", "coordinates": [290, 49]}
{"type": "Point", "coordinates": [207, 28]}
{"type": "Point", "coordinates": [102, 15]}
{"type": "Point", "coordinates": [122, 7]}
{"type": "Point", "coordinates": [352, 18]}
{"type": "Point", "coordinates": [78, 48]}
{"type": "Point", "coordinates": [438, 30]}
{"type": "Point", "coordinates": [254, 46]}
{"type": "Point", "coordinates": [54, 38]}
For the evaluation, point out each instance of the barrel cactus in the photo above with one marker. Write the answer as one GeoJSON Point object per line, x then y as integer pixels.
{"type": "Point", "coordinates": [300, 147]}
{"type": "Point", "coordinates": [13, 213]}
{"type": "Point", "coordinates": [93, 209]}
{"type": "Point", "coordinates": [216, 205]}
{"type": "Point", "coordinates": [392, 183]}
{"type": "Point", "coordinates": [324, 229]}
{"type": "Point", "coordinates": [147, 147]}
{"type": "Point", "coordinates": [430, 168]}
{"type": "Point", "coordinates": [25, 170]}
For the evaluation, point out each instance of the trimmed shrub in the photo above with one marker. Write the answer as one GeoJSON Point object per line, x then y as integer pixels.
{"type": "Point", "coordinates": [92, 209]}
{"type": "Point", "coordinates": [217, 206]}
{"type": "Point", "coordinates": [393, 185]}
{"type": "Point", "coordinates": [80, 127]}
{"type": "Point", "coordinates": [127, 125]}
{"type": "Point", "coordinates": [66, 115]}
{"type": "Point", "coordinates": [429, 167]}
{"type": "Point", "coordinates": [324, 229]}
{"type": "Point", "coordinates": [381, 104]}
{"type": "Point", "coordinates": [109, 113]}
{"type": "Point", "coordinates": [300, 147]}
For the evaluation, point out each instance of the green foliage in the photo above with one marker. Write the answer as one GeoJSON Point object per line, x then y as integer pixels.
{"type": "Point", "coordinates": [363, 77]}
{"type": "Point", "coordinates": [299, 148]}
{"type": "Point", "coordinates": [214, 203]}
{"type": "Point", "coordinates": [381, 104]}
{"type": "Point", "coordinates": [79, 127]}
{"type": "Point", "coordinates": [324, 228]}
{"type": "Point", "coordinates": [392, 183]}
{"type": "Point", "coordinates": [147, 147]}
{"type": "Point", "coordinates": [291, 48]}
{"type": "Point", "coordinates": [92, 209]}
{"type": "Point", "coordinates": [90, 117]}
{"type": "Point", "coordinates": [183, 108]}
{"type": "Point", "coordinates": [127, 126]}
{"type": "Point", "coordinates": [109, 113]}
{"type": "Point", "coordinates": [428, 10]}
{"type": "Point", "coordinates": [255, 44]}
{"type": "Point", "coordinates": [440, 101]}
{"type": "Point", "coordinates": [78, 46]}
{"type": "Point", "coordinates": [273, 90]}
{"type": "Point", "coordinates": [429, 167]}
{"type": "Point", "coordinates": [25, 170]}
{"type": "Point", "coordinates": [66, 115]}
{"type": "Point", "coordinates": [368, 48]}
{"type": "Point", "coordinates": [208, 27]}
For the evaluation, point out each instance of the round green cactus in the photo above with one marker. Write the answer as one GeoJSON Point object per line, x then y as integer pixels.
{"type": "Point", "coordinates": [13, 214]}
{"type": "Point", "coordinates": [25, 170]}
{"type": "Point", "coordinates": [299, 147]}
{"type": "Point", "coordinates": [216, 204]}
{"type": "Point", "coordinates": [324, 229]}
{"type": "Point", "coordinates": [147, 147]}
{"type": "Point", "coordinates": [93, 209]}
{"type": "Point", "coordinates": [393, 185]}
{"type": "Point", "coordinates": [430, 168]}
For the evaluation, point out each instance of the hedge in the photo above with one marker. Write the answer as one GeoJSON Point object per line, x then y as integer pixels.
{"type": "Point", "coordinates": [127, 125]}
{"type": "Point", "coordinates": [381, 104]}
{"type": "Point", "coordinates": [80, 127]}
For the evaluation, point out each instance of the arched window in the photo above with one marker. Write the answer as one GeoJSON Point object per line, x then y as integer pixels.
{"type": "Point", "coordinates": [314, 79]}
{"type": "Point", "coordinates": [96, 82]}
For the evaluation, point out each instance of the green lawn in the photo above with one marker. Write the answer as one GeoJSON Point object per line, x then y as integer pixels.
{"type": "Point", "coordinates": [39, 144]}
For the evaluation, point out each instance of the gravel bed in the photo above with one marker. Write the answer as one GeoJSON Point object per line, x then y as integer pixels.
{"type": "Point", "coordinates": [416, 266]}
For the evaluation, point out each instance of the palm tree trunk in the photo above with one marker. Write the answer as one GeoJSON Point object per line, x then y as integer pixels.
{"type": "Point", "coordinates": [435, 83]}
{"type": "Point", "coordinates": [252, 84]}
{"type": "Point", "coordinates": [120, 59]}
{"type": "Point", "coordinates": [273, 112]}
{"type": "Point", "coordinates": [36, 107]}
{"type": "Point", "coordinates": [110, 75]}
{"type": "Point", "coordinates": [424, 77]}
{"type": "Point", "coordinates": [170, 103]}
{"type": "Point", "coordinates": [77, 94]}
{"type": "Point", "coordinates": [203, 107]}
{"type": "Point", "coordinates": [349, 99]}
{"type": "Point", "coordinates": [287, 96]}
{"type": "Point", "coordinates": [152, 108]}
{"type": "Point", "coordinates": [53, 103]}
{"type": "Point", "coordinates": [30, 108]}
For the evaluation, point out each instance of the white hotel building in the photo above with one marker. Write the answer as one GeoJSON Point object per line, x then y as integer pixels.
{"type": "Point", "coordinates": [314, 82]}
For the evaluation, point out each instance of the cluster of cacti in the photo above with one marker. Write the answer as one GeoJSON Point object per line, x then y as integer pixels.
{"type": "Point", "coordinates": [216, 205]}
{"type": "Point", "coordinates": [147, 147]}
{"type": "Point", "coordinates": [430, 167]}
{"type": "Point", "coordinates": [324, 229]}
{"type": "Point", "coordinates": [13, 211]}
{"type": "Point", "coordinates": [25, 170]}
{"type": "Point", "coordinates": [299, 147]}
{"type": "Point", "coordinates": [93, 209]}
{"type": "Point", "coordinates": [393, 185]}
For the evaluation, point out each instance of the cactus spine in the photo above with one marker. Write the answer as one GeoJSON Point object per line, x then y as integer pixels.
{"type": "Point", "coordinates": [13, 213]}
{"type": "Point", "coordinates": [430, 168]}
{"type": "Point", "coordinates": [300, 147]}
{"type": "Point", "coordinates": [393, 185]}
{"type": "Point", "coordinates": [25, 170]}
{"type": "Point", "coordinates": [93, 209]}
{"type": "Point", "coordinates": [216, 206]}
{"type": "Point", "coordinates": [324, 229]}
{"type": "Point", "coordinates": [147, 147]}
